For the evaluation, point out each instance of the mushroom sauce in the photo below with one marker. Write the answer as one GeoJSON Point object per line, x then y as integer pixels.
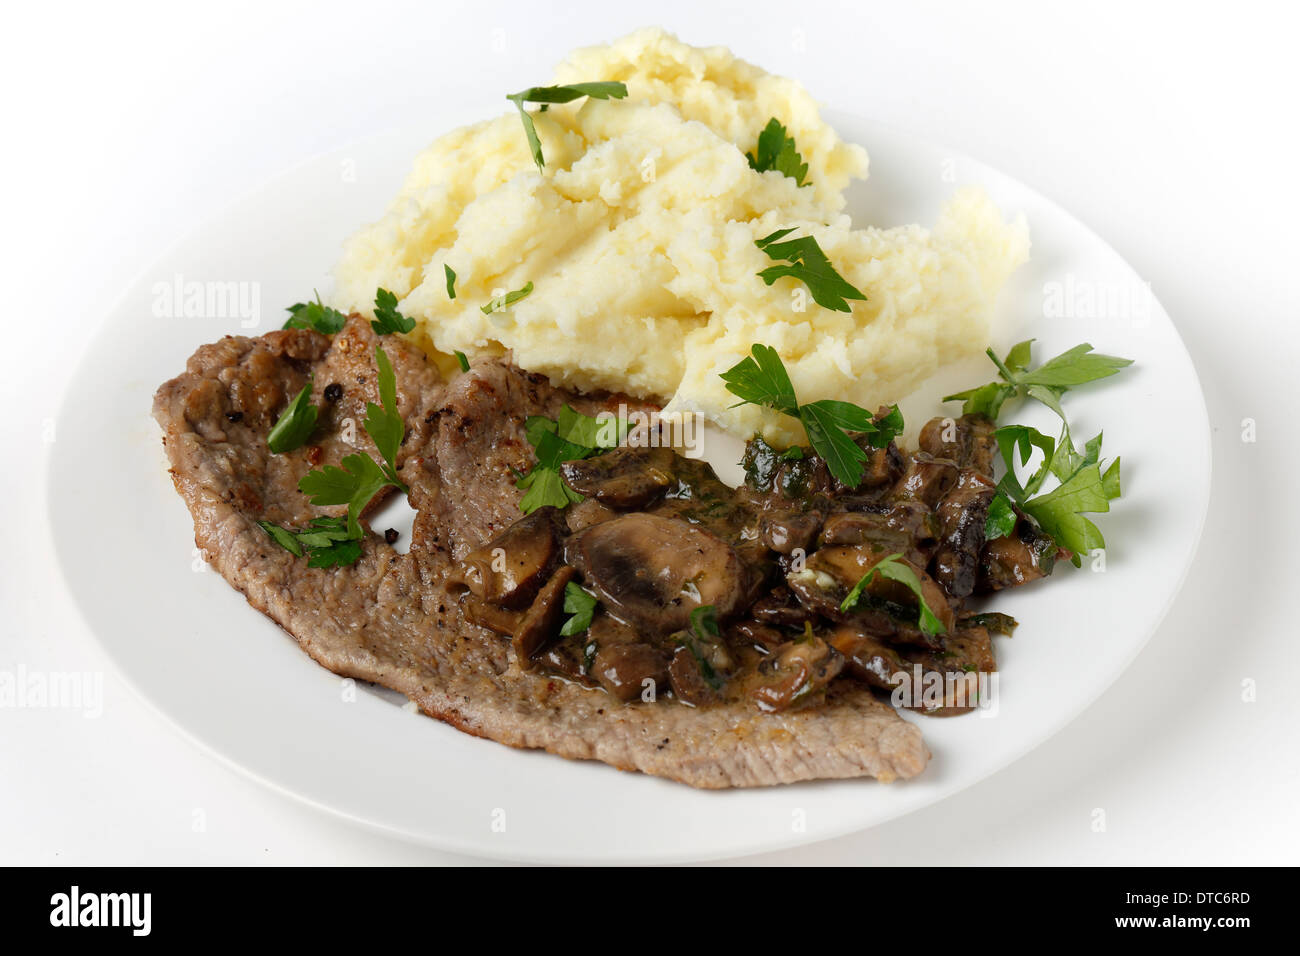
{"type": "Point", "coordinates": [708, 594]}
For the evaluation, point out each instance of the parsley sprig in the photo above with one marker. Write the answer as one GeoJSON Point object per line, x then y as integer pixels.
{"type": "Point", "coordinates": [895, 568]}
{"type": "Point", "coordinates": [546, 95]}
{"type": "Point", "coordinates": [315, 315]}
{"type": "Point", "coordinates": [1045, 384]}
{"type": "Point", "coordinates": [761, 379]}
{"type": "Point", "coordinates": [387, 319]}
{"type": "Point", "coordinates": [569, 437]}
{"type": "Point", "coordinates": [1084, 487]}
{"type": "Point", "coordinates": [805, 261]}
{"type": "Point", "coordinates": [776, 150]}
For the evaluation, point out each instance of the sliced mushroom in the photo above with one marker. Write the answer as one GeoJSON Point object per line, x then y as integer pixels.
{"type": "Point", "coordinates": [788, 531]}
{"type": "Point", "coordinates": [569, 659]}
{"type": "Point", "coordinates": [968, 441]}
{"type": "Point", "coordinates": [692, 683]}
{"type": "Point", "coordinates": [700, 667]}
{"type": "Point", "coordinates": [914, 518]}
{"type": "Point", "coordinates": [802, 474]}
{"type": "Point", "coordinates": [779, 609]}
{"type": "Point", "coordinates": [804, 477]}
{"type": "Point", "coordinates": [950, 682]}
{"type": "Point", "coordinates": [624, 670]}
{"type": "Point", "coordinates": [926, 479]}
{"type": "Point", "coordinates": [875, 529]}
{"type": "Point", "coordinates": [608, 631]}
{"type": "Point", "coordinates": [868, 658]}
{"type": "Point", "coordinates": [492, 616]}
{"type": "Point", "coordinates": [541, 625]}
{"type": "Point", "coordinates": [888, 608]}
{"type": "Point", "coordinates": [624, 477]}
{"type": "Point", "coordinates": [762, 637]}
{"type": "Point", "coordinates": [652, 571]}
{"type": "Point", "coordinates": [884, 466]}
{"type": "Point", "coordinates": [623, 662]}
{"type": "Point", "coordinates": [967, 648]}
{"type": "Point", "coordinates": [1022, 556]}
{"type": "Point", "coordinates": [509, 569]}
{"type": "Point", "coordinates": [961, 514]}
{"type": "Point", "coordinates": [796, 671]}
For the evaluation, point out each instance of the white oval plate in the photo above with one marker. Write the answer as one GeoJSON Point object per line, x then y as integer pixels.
{"type": "Point", "coordinates": [240, 687]}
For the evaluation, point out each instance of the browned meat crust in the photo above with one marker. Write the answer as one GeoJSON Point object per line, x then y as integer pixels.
{"type": "Point", "coordinates": [391, 619]}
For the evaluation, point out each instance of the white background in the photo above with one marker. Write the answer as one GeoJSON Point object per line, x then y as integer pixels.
{"type": "Point", "coordinates": [1169, 129]}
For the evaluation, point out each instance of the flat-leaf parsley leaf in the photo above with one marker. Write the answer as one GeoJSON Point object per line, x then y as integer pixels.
{"type": "Point", "coordinates": [776, 150]}
{"type": "Point", "coordinates": [761, 379]}
{"type": "Point", "coordinates": [547, 95]}
{"type": "Point", "coordinates": [295, 424]}
{"type": "Point", "coordinates": [895, 568]}
{"type": "Point", "coordinates": [387, 319]}
{"type": "Point", "coordinates": [805, 261]}
{"type": "Point", "coordinates": [581, 606]}
{"type": "Point", "coordinates": [571, 436]}
{"type": "Point", "coordinates": [315, 315]}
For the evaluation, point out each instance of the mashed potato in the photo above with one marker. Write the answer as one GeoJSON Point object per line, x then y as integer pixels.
{"type": "Point", "coordinates": [639, 241]}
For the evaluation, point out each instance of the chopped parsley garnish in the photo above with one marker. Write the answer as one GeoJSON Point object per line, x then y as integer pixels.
{"type": "Point", "coordinates": [544, 486]}
{"type": "Point", "coordinates": [451, 281]}
{"type": "Point", "coordinates": [895, 569]}
{"type": "Point", "coordinates": [462, 360]}
{"type": "Point", "coordinates": [325, 541]}
{"type": "Point", "coordinates": [283, 537]}
{"type": "Point", "coordinates": [761, 379]}
{"type": "Point", "coordinates": [704, 622]}
{"type": "Point", "coordinates": [806, 262]}
{"type": "Point", "coordinates": [316, 316]}
{"type": "Point", "coordinates": [387, 319]}
{"type": "Point", "coordinates": [506, 301]}
{"type": "Point", "coordinates": [382, 422]}
{"type": "Point", "coordinates": [571, 436]}
{"type": "Point", "coordinates": [330, 540]}
{"type": "Point", "coordinates": [1001, 519]}
{"type": "Point", "coordinates": [581, 606]}
{"type": "Point", "coordinates": [295, 424]}
{"type": "Point", "coordinates": [776, 150]}
{"type": "Point", "coordinates": [704, 630]}
{"type": "Point", "coordinates": [547, 95]}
